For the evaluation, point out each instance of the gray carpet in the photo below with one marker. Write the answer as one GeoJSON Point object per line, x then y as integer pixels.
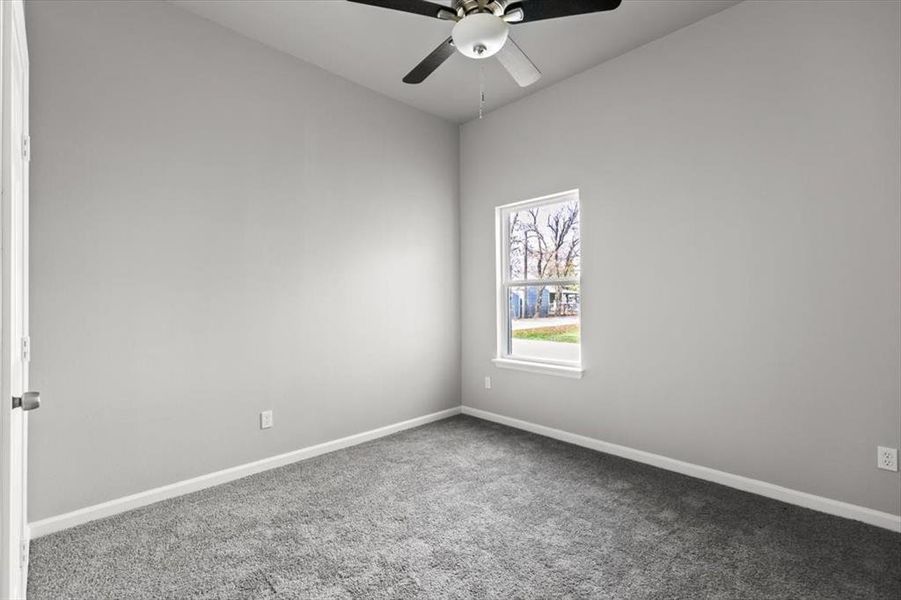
{"type": "Point", "coordinates": [463, 508]}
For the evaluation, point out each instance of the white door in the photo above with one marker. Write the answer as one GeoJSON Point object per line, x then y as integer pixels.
{"type": "Point", "coordinates": [14, 401]}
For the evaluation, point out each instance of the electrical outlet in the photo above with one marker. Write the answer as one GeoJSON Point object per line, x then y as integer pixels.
{"type": "Point", "coordinates": [887, 458]}
{"type": "Point", "coordinates": [266, 419]}
{"type": "Point", "coordinates": [487, 383]}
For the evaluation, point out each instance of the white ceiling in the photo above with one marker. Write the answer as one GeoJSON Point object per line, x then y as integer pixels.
{"type": "Point", "coordinates": [376, 47]}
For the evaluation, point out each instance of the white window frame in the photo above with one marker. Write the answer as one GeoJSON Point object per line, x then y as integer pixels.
{"type": "Point", "coordinates": [503, 357]}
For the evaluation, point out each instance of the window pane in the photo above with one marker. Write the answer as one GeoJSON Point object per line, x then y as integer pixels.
{"type": "Point", "coordinates": [544, 241]}
{"type": "Point", "coordinates": [544, 323]}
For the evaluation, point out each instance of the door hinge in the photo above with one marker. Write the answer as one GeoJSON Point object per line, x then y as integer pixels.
{"type": "Point", "coordinates": [23, 553]}
{"type": "Point", "coordinates": [26, 349]}
{"type": "Point", "coordinates": [26, 148]}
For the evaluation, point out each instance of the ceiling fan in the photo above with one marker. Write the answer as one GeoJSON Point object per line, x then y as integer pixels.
{"type": "Point", "coordinates": [482, 29]}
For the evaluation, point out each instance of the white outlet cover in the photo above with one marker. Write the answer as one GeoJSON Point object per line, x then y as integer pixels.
{"type": "Point", "coordinates": [887, 458]}
{"type": "Point", "coordinates": [266, 419]}
{"type": "Point", "coordinates": [488, 383]}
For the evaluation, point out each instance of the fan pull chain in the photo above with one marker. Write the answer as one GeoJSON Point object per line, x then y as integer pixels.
{"type": "Point", "coordinates": [481, 90]}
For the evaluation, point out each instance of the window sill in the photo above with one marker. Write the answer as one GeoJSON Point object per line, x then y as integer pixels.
{"type": "Point", "coordinates": [537, 367]}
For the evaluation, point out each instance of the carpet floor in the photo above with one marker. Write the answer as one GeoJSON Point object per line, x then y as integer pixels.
{"type": "Point", "coordinates": [463, 508]}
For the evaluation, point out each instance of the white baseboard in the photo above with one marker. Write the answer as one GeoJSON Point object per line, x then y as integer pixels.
{"type": "Point", "coordinates": [762, 488]}
{"type": "Point", "coordinates": [119, 505]}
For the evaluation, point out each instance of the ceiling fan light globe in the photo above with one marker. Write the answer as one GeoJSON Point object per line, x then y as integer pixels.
{"type": "Point", "coordinates": [480, 35]}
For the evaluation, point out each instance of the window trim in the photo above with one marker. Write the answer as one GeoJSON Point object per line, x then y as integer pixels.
{"type": "Point", "coordinates": [545, 368]}
{"type": "Point", "coordinates": [503, 358]}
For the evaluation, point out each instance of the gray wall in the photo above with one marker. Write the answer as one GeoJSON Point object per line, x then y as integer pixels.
{"type": "Point", "coordinates": [740, 189]}
{"type": "Point", "coordinates": [218, 229]}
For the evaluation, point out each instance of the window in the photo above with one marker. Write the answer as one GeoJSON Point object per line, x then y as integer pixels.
{"type": "Point", "coordinates": [539, 292]}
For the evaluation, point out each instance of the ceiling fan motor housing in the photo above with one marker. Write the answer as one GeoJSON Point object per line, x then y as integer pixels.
{"type": "Point", "coordinates": [480, 35]}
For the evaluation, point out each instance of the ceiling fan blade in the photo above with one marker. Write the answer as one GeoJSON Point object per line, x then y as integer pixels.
{"type": "Point", "coordinates": [521, 69]}
{"type": "Point", "coordinates": [538, 10]}
{"type": "Point", "coordinates": [417, 7]}
{"type": "Point", "coordinates": [431, 62]}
